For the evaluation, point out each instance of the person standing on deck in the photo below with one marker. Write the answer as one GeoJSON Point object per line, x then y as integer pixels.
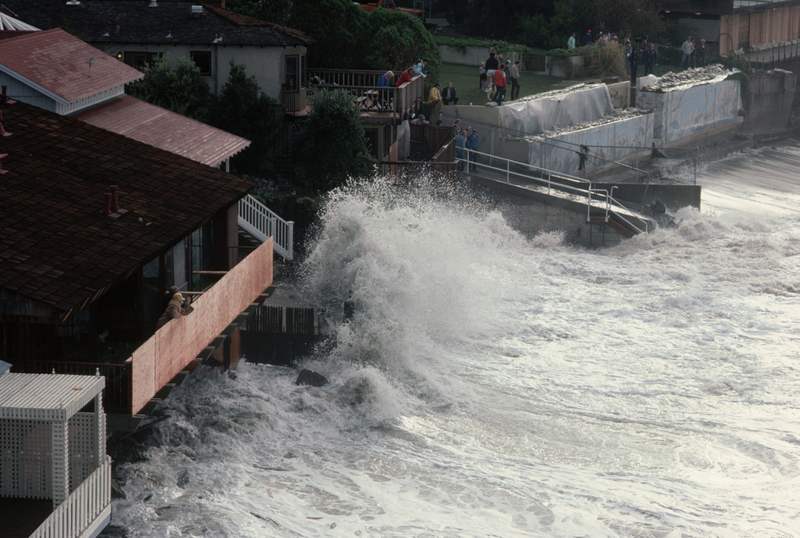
{"type": "Point", "coordinates": [571, 41]}
{"type": "Point", "coordinates": [472, 147]}
{"type": "Point", "coordinates": [513, 77]}
{"type": "Point", "coordinates": [491, 68]}
{"type": "Point", "coordinates": [500, 82]}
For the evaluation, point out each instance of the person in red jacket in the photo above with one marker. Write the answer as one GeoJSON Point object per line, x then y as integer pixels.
{"type": "Point", "coordinates": [500, 82]}
{"type": "Point", "coordinates": [407, 75]}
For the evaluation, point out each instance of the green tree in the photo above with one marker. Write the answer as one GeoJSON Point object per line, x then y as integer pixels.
{"type": "Point", "coordinates": [243, 109]}
{"type": "Point", "coordinates": [331, 146]}
{"type": "Point", "coordinates": [181, 90]}
{"type": "Point", "coordinates": [277, 11]}
{"type": "Point", "coordinates": [395, 40]}
{"type": "Point", "coordinates": [338, 26]}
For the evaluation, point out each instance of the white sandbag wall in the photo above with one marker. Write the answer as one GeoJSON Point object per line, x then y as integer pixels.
{"type": "Point", "coordinates": [608, 142]}
{"type": "Point", "coordinates": [690, 110]}
{"type": "Point", "coordinates": [555, 110]}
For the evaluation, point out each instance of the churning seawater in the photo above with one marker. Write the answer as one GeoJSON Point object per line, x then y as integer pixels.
{"type": "Point", "coordinates": [490, 384]}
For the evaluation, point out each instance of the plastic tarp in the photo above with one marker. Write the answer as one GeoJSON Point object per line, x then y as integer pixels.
{"type": "Point", "coordinates": [608, 142]}
{"type": "Point", "coordinates": [556, 110]}
{"type": "Point", "coordinates": [690, 110]}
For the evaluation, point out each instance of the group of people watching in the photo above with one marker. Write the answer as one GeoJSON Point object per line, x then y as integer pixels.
{"type": "Point", "coordinates": [588, 39]}
{"type": "Point", "coordinates": [692, 55]}
{"type": "Point", "coordinates": [646, 52]}
{"type": "Point", "coordinates": [494, 77]}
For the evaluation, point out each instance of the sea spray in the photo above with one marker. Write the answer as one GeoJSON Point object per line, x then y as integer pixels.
{"type": "Point", "coordinates": [488, 385]}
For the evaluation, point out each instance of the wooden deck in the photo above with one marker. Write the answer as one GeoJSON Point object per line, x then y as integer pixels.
{"type": "Point", "coordinates": [19, 518]}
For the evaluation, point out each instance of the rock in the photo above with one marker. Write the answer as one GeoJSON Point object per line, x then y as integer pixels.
{"type": "Point", "coordinates": [116, 491]}
{"type": "Point", "coordinates": [307, 377]}
{"type": "Point", "coordinates": [183, 479]}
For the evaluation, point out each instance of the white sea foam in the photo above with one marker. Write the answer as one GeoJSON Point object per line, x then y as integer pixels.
{"type": "Point", "coordinates": [488, 385]}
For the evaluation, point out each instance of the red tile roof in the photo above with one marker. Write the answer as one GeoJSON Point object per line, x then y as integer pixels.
{"type": "Point", "coordinates": [56, 246]}
{"type": "Point", "coordinates": [166, 130]}
{"type": "Point", "coordinates": [59, 63]}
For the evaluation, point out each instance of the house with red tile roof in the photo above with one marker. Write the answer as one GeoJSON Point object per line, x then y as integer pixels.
{"type": "Point", "coordinates": [94, 228]}
{"type": "Point", "coordinates": [57, 71]}
{"type": "Point", "coordinates": [137, 31]}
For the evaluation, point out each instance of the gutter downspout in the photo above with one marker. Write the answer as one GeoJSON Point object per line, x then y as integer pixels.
{"type": "Point", "coordinates": [216, 70]}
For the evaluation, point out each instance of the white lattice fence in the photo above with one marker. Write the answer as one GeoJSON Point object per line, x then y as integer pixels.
{"type": "Point", "coordinates": [82, 448]}
{"type": "Point", "coordinates": [25, 459]}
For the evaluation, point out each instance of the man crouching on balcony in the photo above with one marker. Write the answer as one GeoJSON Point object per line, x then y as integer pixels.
{"type": "Point", "coordinates": [175, 309]}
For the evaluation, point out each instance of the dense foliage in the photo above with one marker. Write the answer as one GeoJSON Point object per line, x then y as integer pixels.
{"type": "Point", "coordinates": [181, 90]}
{"type": "Point", "coordinates": [331, 146]}
{"type": "Point", "coordinates": [242, 108]}
{"type": "Point", "coordinates": [347, 36]}
{"type": "Point", "coordinates": [549, 23]}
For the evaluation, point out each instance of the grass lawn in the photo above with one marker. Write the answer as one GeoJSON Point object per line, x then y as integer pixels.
{"type": "Point", "coordinates": [465, 81]}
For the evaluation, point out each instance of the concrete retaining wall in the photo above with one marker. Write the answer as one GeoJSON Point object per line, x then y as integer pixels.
{"type": "Point", "coordinates": [620, 94]}
{"type": "Point", "coordinates": [568, 67]}
{"type": "Point", "coordinates": [771, 97]}
{"type": "Point", "coordinates": [527, 213]}
{"type": "Point", "coordinates": [672, 196]}
{"type": "Point", "coordinates": [472, 56]}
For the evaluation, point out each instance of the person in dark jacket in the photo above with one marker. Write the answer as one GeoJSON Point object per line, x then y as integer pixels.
{"type": "Point", "coordinates": [649, 59]}
{"type": "Point", "coordinates": [449, 95]}
{"type": "Point", "coordinates": [491, 67]}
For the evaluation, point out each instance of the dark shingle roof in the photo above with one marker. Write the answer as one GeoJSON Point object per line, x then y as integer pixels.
{"type": "Point", "coordinates": [133, 21]}
{"type": "Point", "coordinates": [56, 246]}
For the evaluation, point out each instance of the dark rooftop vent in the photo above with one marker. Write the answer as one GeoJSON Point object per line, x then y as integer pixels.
{"type": "Point", "coordinates": [5, 98]}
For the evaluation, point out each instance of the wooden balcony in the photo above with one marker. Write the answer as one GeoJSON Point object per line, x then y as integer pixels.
{"type": "Point", "coordinates": [373, 101]}
{"type": "Point", "coordinates": [173, 348]}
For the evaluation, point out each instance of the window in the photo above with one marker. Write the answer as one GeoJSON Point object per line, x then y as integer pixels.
{"type": "Point", "coordinates": [292, 68]}
{"type": "Point", "coordinates": [202, 59]}
{"type": "Point", "coordinates": [295, 71]}
{"type": "Point", "coordinates": [140, 60]}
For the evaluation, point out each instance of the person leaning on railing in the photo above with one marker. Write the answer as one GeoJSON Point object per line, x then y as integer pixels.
{"type": "Point", "coordinates": [175, 309]}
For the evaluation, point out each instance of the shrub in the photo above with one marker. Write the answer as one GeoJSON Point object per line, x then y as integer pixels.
{"type": "Point", "coordinates": [605, 60]}
{"type": "Point", "coordinates": [331, 146]}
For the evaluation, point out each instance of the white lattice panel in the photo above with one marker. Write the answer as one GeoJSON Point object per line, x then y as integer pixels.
{"type": "Point", "coordinates": [82, 448]}
{"type": "Point", "coordinates": [25, 459]}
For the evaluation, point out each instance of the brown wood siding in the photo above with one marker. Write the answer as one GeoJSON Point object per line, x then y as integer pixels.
{"type": "Point", "coordinates": [744, 31]}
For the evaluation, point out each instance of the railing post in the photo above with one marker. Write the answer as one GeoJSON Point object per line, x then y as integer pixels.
{"type": "Point", "coordinates": [508, 171]}
{"type": "Point", "coordinates": [290, 239]}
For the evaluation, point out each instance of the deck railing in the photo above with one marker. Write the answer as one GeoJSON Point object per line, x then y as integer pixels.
{"type": "Point", "coordinates": [551, 182]}
{"type": "Point", "coordinates": [363, 85]}
{"type": "Point", "coordinates": [258, 220]}
{"type": "Point", "coordinates": [83, 509]}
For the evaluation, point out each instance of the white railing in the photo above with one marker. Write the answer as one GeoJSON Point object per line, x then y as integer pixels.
{"type": "Point", "coordinates": [610, 200]}
{"type": "Point", "coordinates": [84, 508]}
{"type": "Point", "coordinates": [581, 187]}
{"type": "Point", "coordinates": [258, 220]}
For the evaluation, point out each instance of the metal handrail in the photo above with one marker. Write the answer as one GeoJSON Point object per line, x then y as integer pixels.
{"type": "Point", "coordinates": [549, 183]}
{"type": "Point", "coordinates": [258, 220]}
